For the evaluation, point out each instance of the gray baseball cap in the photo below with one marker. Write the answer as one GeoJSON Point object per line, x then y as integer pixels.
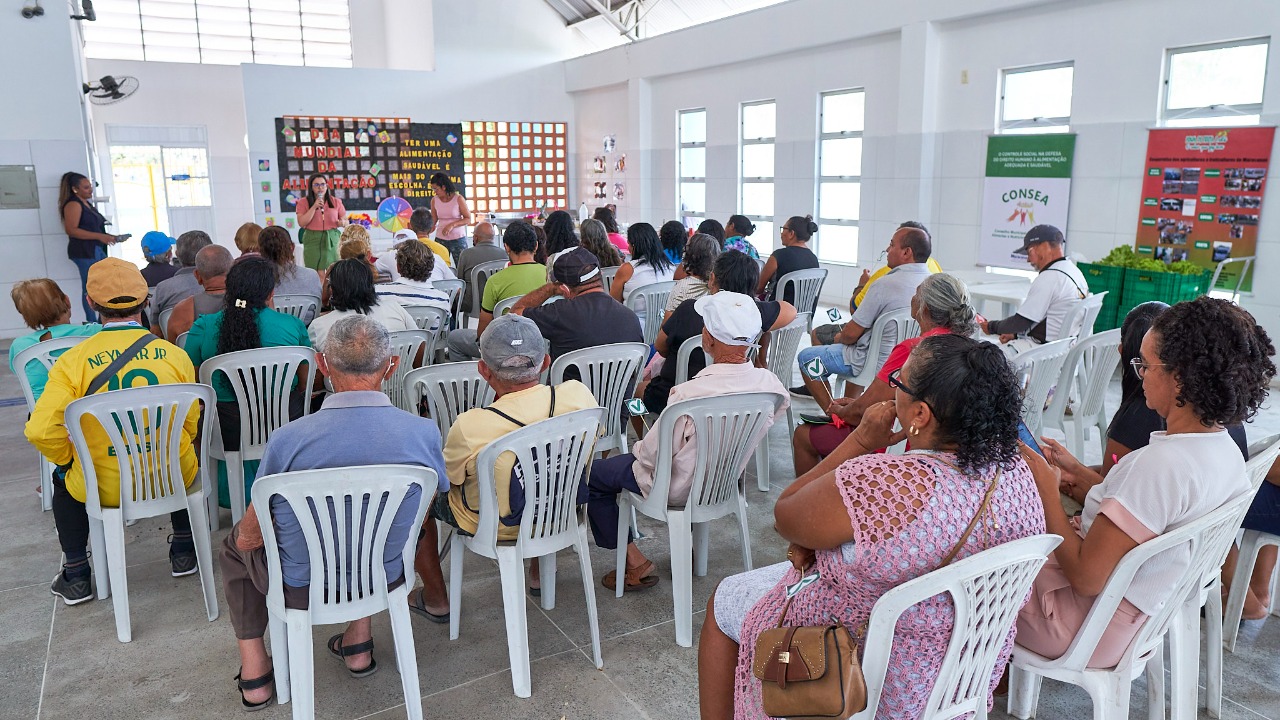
{"type": "Point", "coordinates": [512, 341]}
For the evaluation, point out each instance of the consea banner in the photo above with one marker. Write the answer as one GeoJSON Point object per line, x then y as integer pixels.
{"type": "Point", "coordinates": [1028, 184]}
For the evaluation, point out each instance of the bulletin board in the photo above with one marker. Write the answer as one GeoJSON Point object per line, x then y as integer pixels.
{"type": "Point", "coordinates": [515, 166]}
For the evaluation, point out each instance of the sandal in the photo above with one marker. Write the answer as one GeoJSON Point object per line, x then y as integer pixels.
{"type": "Point", "coordinates": [341, 652]}
{"type": "Point", "coordinates": [637, 578]}
{"type": "Point", "coordinates": [420, 607]}
{"type": "Point", "coordinates": [255, 684]}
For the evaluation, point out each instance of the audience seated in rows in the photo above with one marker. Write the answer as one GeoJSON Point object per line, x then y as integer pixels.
{"type": "Point", "coordinates": [792, 256]}
{"type": "Point", "coordinates": [521, 277]}
{"type": "Point", "coordinates": [212, 264]}
{"type": "Point", "coordinates": [482, 250]}
{"type": "Point", "coordinates": [157, 250]}
{"type": "Point", "coordinates": [699, 257]}
{"type": "Point", "coordinates": [47, 311]}
{"type": "Point", "coordinates": [118, 293]}
{"type": "Point", "coordinates": [275, 244]}
{"type": "Point", "coordinates": [1053, 293]}
{"type": "Point", "coordinates": [648, 265]}
{"type": "Point", "coordinates": [356, 358]}
{"type": "Point", "coordinates": [413, 285]}
{"type": "Point", "coordinates": [353, 292]}
{"type": "Point", "coordinates": [868, 522]}
{"type": "Point", "coordinates": [440, 270]}
{"type": "Point", "coordinates": [595, 238]}
{"type": "Point", "coordinates": [183, 283]}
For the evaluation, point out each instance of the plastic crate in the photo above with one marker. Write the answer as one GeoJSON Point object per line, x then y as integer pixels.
{"type": "Point", "coordinates": [1111, 280]}
{"type": "Point", "coordinates": [1142, 286]}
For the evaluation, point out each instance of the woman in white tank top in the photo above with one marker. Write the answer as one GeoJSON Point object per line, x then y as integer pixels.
{"type": "Point", "coordinates": [451, 214]}
{"type": "Point", "coordinates": [648, 264]}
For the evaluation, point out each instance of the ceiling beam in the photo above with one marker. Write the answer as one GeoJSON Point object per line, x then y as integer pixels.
{"type": "Point", "coordinates": [562, 6]}
{"type": "Point", "coordinates": [607, 14]}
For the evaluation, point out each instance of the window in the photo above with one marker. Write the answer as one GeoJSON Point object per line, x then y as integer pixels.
{"type": "Point", "coordinates": [222, 32]}
{"type": "Point", "coordinates": [1214, 84]}
{"type": "Point", "coordinates": [1036, 99]}
{"type": "Point", "coordinates": [691, 161]}
{"type": "Point", "coordinates": [755, 199]}
{"type": "Point", "coordinates": [515, 166]}
{"type": "Point", "coordinates": [839, 175]}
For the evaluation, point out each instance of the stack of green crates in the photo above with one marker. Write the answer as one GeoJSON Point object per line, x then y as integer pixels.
{"type": "Point", "coordinates": [1111, 280]}
{"type": "Point", "coordinates": [1142, 286]}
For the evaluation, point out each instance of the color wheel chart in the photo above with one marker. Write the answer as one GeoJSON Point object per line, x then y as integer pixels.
{"type": "Point", "coordinates": [394, 213]}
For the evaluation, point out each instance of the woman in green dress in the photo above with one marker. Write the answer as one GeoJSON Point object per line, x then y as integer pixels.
{"type": "Point", "coordinates": [321, 218]}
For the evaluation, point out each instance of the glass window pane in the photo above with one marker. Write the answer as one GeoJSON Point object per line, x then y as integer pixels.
{"type": "Point", "coordinates": [843, 112]}
{"type": "Point", "coordinates": [759, 121]}
{"type": "Point", "coordinates": [842, 157]}
{"type": "Point", "coordinates": [693, 126]}
{"type": "Point", "coordinates": [186, 161]}
{"type": "Point", "coordinates": [757, 199]}
{"type": "Point", "coordinates": [1219, 121]}
{"type": "Point", "coordinates": [765, 238]}
{"type": "Point", "coordinates": [693, 162]}
{"type": "Point", "coordinates": [693, 197]}
{"type": "Point", "coordinates": [188, 193]}
{"type": "Point", "coordinates": [838, 243]}
{"type": "Point", "coordinates": [839, 201]}
{"type": "Point", "coordinates": [1223, 76]}
{"type": "Point", "coordinates": [1037, 130]}
{"type": "Point", "coordinates": [757, 160]}
{"type": "Point", "coordinates": [1038, 93]}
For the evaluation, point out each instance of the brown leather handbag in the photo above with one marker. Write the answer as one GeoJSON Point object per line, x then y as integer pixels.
{"type": "Point", "coordinates": [812, 672]}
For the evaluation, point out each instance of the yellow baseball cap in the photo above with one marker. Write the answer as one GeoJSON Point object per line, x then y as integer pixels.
{"type": "Point", "coordinates": [115, 283]}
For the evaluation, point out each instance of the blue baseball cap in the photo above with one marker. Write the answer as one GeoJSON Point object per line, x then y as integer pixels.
{"type": "Point", "coordinates": [156, 243]}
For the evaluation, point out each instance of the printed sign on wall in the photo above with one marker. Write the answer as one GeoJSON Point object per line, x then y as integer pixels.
{"type": "Point", "coordinates": [1028, 184]}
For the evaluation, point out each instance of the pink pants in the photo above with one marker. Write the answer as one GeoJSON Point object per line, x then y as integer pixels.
{"type": "Point", "coordinates": [1051, 618]}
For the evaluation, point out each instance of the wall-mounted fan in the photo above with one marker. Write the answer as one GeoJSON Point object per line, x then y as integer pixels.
{"type": "Point", "coordinates": [110, 89]}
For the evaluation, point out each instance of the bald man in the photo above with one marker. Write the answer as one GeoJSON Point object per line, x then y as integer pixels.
{"type": "Point", "coordinates": [484, 250]}
{"type": "Point", "coordinates": [213, 262]}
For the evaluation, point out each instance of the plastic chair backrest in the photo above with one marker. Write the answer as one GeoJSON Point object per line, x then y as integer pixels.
{"type": "Point", "coordinates": [344, 513]}
{"type": "Point", "coordinates": [432, 320]}
{"type": "Point", "coordinates": [611, 372]}
{"type": "Point", "coordinates": [655, 297]}
{"type": "Point", "coordinates": [1094, 359]}
{"type": "Point", "coordinates": [1079, 320]}
{"type": "Point", "coordinates": [454, 289]}
{"type": "Point", "coordinates": [1039, 368]}
{"type": "Point", "coordinates": [43, 353]}
{"type": "Point", "coordinates": [784, 343]}
{"type": "Point", "coordinates": [303, 307]}
{"type": "Point", "coordinates": [449, 390]}
{"type": "Point", "coordinates": [150, 462]}
{"type": "Point", "coordinates": [406, 345]}
{"type": "Point", "coordinates": [181, 340]}
{"type": "Point", "coordinates": [1262, 455]}
{"type": "Point", "coordinates": [263, 379]}
{"type": "Point", "coordinates": [504, 305]}
{"type": "Point", "coordinates": [727, 428]}
{"type": "Point", "coordinates": [807, 287]}
{"type": "Point", "coordinates": [607, 275]}
{"type": "Point", "coordinates": [479, 276]}
{"type": "Point", "coordinates": [164, 322]}
{"type": "Point", "coordinates": [887, 331]}
{"type": "Point", "coordinates": [685, 353]}
{"type": "Point", "coordinates": [551, 456]}
{"type": "Point", "coordinates": [987, 589]}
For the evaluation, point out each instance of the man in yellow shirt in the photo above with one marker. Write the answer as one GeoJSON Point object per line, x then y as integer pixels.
{"type": "Point", "coordinates": [422, 223]}
{"type": "Point", "coordinates": [118, 292]}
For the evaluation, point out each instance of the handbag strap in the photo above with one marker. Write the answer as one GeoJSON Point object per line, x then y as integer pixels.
{"type": "Point", "coordinates": [982, 509]}
{"type": "Point", "coordinates": [118, 363]}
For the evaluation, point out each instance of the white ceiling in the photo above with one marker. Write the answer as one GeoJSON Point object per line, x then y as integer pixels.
{"type": "Point", "coordinates": [630, 20]}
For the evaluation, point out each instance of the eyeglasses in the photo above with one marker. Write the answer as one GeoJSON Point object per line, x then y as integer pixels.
{"type": "Point", "coordinates": [784, 228]}
{"type": "Point", "coordinates": [896, 382]}
{"type": "Point", "coordinates": [1140, 368]}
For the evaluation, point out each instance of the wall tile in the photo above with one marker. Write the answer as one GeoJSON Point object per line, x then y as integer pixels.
{"type": "Point", "coordinates": [19, 222]}
{"type": "Point", "coordinates": [23, 258]}
{"type": "Point", "coordinates": [15, 152]}
{"type": "Point", "coordinates": [52, 158]}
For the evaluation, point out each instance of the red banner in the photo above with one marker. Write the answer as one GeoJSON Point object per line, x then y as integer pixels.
{"type": "Point", "coordinates": [1202, 195]}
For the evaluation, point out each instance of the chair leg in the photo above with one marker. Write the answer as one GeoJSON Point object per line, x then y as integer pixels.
{"type": "Point", "coordinates": [762, 464]}
{"type": "Point", "coordinates": [98, 558]}
{"type": "Point", "coordinates": [589, 587]}
{"type": "Point", "coordinates": [1155, 686]}
{"type": "Point", "coordinates": [406, 655]}
{"type": "Point", "coordinates": [1077, 439]}
{"type": "Point", "coordinates": [113, 538]}
{"type": "Point", "coordinates": [302, 670]}
{"type": "Point", "coordinates": [1184, 661]}
{"type": "Point", "coordinates": [547, 579]}
{"type": "Point", "coordinates": [215, 520]}
{"type": "Point", "coordinates": [455, 585]}
{"type": "Point", "coordinates": [279, 633]}
{"type": "Point", "coordinates": [746, 534]}
{"type": "Point", "coordinates": [701, 544]}
{"type": "Point", "coordinates": [1024, 692]}
{"type": "Point", "coordinates": [235, 486]}
{"type": "Point", "coordinates": [1213, 649]}
{"type": "Point", "coordinates": [511, 573]}
{"type": "Point", "coordinates": [204, 553]}
{"type": "Point", "coordinates": [1110, 694]}
{"type": "Point", "coordinates": [682, 574]}
{"type": "Point", "coordinates": [46, 484]}
{"type": "Point", "coordinates": [1248, 555]}
{"type": "Point", "coordinates": [620, 582]}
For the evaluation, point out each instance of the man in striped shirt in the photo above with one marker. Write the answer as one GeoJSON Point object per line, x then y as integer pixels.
{"type": "Point", "coordinates": [414, 263]}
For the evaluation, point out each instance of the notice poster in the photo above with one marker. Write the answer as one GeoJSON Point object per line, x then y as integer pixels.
{"type": "Point", "coordinates": [1202, 195]}
{"type": "Point", "coordinates": [1028, 183]}
{"type": "Point", "coordinates": [366, 159]}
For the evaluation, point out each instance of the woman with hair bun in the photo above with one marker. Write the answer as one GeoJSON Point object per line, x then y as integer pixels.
{"type": "Point", "coordinates": [736, 232]}
{"type": "Point", "coordinates": [793, 255]}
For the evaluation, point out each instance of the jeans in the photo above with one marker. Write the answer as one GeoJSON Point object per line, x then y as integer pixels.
{"type": "Point", "coordinates": [455, 248]}
{"type": "Point", "coordinates": [832, 357]}
{"type": "Point", "coordinates": [83, 264]}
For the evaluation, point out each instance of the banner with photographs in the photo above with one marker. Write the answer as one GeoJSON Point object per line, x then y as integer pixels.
{"type": "Point", "coordinates": [1028, 184]}
{"type": "Point", "coordinates": [1202, 195]}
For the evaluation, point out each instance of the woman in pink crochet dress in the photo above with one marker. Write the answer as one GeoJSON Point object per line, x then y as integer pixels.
{"type": "Point", "coordinates": [870, 522]}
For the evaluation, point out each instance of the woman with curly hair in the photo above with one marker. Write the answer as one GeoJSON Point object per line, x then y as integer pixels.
{"type": "Point", "coordinates": [275, 244]}
{"type": "Point", "coordinates": [873, 522]}
{"type": "Point", "coordinates": [699, 255]}
{"type": "Point", "coordinates": [351, 291]}
{"type": "Point", "coordinates": [1204, 364]}
{"type": "Point", "coordinates": [245, 322]}
{"type": "Point", "coordinates": [596, 239]}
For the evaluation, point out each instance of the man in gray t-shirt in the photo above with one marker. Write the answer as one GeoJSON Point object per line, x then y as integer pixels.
{"type": "Point", "coordinates": [847, 353]}
{"type": "Point", "coordinates": [483, 250]}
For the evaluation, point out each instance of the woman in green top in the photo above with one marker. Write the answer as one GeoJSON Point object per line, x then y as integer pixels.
{"type": "Point", "coordinates": [321, 218]}
{"type": "Point", "coordinates": [46, 310]}
{"type": "Point", "coordinates": [245, 322]}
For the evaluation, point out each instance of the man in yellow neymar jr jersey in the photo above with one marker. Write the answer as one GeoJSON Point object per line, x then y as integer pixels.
{"type": "Point", "coordinates": [122, 355]}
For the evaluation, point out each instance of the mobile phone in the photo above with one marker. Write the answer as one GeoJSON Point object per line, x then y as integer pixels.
{"type": "Point", "coordinates": [1024, 434]}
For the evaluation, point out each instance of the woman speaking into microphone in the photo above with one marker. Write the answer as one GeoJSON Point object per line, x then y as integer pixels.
{"type": "Point", "coordinates": [321, 218]}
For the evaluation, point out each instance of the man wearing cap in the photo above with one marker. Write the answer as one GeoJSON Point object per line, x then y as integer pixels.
{"type": "Point", "coordinates": [157, 248]}
{"type": "Point", "coordinates": [522, 276]}
{"type": "Point", "coordinates": [1056, 289]}
{"type": "Point", "coordinates": [731, 326]}
{"type": "Point", "coordinates": [213, 262]}
{"type": "Point", "coordinates": [587, 317]}
{"type": "Point", "coordinates": [483, 250]}
{"type": "Point", "coordinates": [513, 356]}
{"type": "Point", "coordinates": [118, 293]}
{"type": "Point", "coordinates": [183, 283]}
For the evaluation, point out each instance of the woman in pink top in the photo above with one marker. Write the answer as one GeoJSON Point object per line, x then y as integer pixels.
{"type": "Point", "coordinates": [321, 218]}
{"type": "Point", "coordinates": [451, 214]}
{"type": "Point", "coordinates": [605, 216]}
{"type": "Point", "coordinates": [866, 523]}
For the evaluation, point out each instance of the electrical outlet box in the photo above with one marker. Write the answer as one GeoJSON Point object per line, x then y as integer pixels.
{"type": "Point", "coordinates": [18, 187]}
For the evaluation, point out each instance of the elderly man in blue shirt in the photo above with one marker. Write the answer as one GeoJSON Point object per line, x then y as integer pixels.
{"type": "Point", "coordinates": [356, 357]}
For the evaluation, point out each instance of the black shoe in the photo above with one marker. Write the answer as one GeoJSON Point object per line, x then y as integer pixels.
{"type": "Point", "coordinates": [182, 558]}
{"type": "Point", "coordinates": [801, 391]}
{"type": "Point", "coordinates": [73, 591]}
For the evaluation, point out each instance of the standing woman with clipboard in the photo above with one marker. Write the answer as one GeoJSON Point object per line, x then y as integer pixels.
{"type": "Point", "coordinates": [87, 237]}
{"type": "Point", "coordinates": [321, 217]}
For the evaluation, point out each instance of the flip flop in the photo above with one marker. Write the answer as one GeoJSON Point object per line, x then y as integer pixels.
{"type": "Point", "coordinates": [255, 684]}
{"type": "Point", "coordinates": [636, 578]}
{"type": "Point", "coordinates": [420, 607]}
{"type": "Point", "coordinates": [341, 652]}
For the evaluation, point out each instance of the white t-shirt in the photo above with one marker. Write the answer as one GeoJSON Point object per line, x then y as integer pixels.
{"type": "Point", "coordinates": [388, 312]}
{"type": "Point", "coordinates": [1052, 295]}
{"type": "Point", "coordinates": [386, 264]}
{"type": "Point", "coordinates": [645, 274]}
{"type": "Point", "coordinates": [1174, 480]}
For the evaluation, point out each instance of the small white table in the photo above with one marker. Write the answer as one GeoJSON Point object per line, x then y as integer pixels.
{"type": "Point", "coordinates": [1009, 293]}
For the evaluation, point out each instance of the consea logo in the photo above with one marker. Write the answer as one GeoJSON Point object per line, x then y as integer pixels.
{"type": "Point", "coordinates": [1024, 204]}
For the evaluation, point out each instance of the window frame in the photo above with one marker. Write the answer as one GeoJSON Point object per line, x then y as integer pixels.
{"type": "Point", "coordinates": [1210, 112]}
{"type": "Point", "coordinates": [1036, 124]}
{"type": "Point", "coordinates": [744, 179]}
{"type": "Point", "coordinates": [824, 179]}
{"type": "Point", "coordinates": [681, 178]}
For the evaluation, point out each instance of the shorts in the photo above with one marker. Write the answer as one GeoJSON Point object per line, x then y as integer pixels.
{"type": "Point", "coordinates": [826, 334]}
{"type": "Point", "coordinates": [826, 438]}
{"type": "Point", "coordinates": [440, 510]}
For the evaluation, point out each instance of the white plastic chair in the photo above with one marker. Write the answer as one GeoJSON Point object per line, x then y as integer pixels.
{"type": "Point", "coordinates": [435, 322]}
{"type": "Point", "coordinates": [454, 289]}
{"type": "Point", "coordinates": [181, 340]}
{"type": "Point", "coordinates": [479, 276]}
{"type": "Point", "coordinates": [888, 330]}
{"type": "Point", "coordinates": [1260, 461]}
{"type": "Point", "coordinates": [303, 307]}
{"type": "Point", "coordinates": [784, 343]}
{"type": "Point", "coordinates": [1080, 318]}
{"type": "Point", "coordinates": [683, 356]}
{"type": "Point", "coordinates": [1038, 369]}
{"type": "Point", "coordinates": [406, 345]}
{"type": "Point", "coordinates": [552, 456]}
{"type": "Point", "coordinates": [987, 589]}
{"type": "Point", "coordinates": [1086, 373]}
{"type": "Point", "coordinates": [611, 372]}
{"type": "Point", "coordinates": [504, 305]}
{"type": "Point", "coordinates": [262, 379]}
{"type": "Point", "coordinates": [655, 297]}
{"type": "Point", "coordinates": [338, 592]}
{"type": "Point", "coordinates": [46, 353]}
{"type": "Point", "coordinates": [163, 326]}
{"type": "Point", "coordinates": [806, 289]}
{"type": "Point", "coordinates": [151, 482]}
{"type": "Point", "coordinates": [726, 429]}
{"type": "Point", "coordinates": [448, 390]}
{"type": "Point", "coordinates": [1209, 537]}
{"type": "Point", "coordinates": [606, 276]}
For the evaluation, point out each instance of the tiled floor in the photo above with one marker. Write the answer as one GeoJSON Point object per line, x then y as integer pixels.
{"type": "Point", "coordinates": [60, 662]}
